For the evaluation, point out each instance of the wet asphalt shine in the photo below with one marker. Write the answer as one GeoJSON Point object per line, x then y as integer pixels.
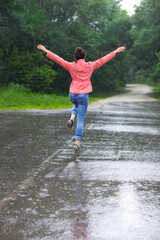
{"type": "Point", "coordinates": [110, 192]}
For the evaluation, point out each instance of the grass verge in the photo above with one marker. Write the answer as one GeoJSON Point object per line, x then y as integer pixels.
{"type": "Point", "coordinates": [157, 92]}
{"type": "Point", "coordinates": [15, 97]}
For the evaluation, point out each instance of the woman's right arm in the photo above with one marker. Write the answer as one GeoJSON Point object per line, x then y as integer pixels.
{"type": "Point", "coordinates": [54, 57]}
{"type": "Point", "coordinates": [120, 49]}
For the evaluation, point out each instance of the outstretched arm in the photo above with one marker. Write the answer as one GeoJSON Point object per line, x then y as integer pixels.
{"type": "Point", "coordinates": [42, 48]}
{"type": "Point", "coordinates": [120, 49]}
{"type": "Point", "coordinates": [98, 63]}
{"type": "Point", "coordinates": [54, 57]}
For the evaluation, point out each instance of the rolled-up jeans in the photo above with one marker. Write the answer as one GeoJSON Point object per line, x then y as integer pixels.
{"type": "Point", "coordinates": [80, 102]}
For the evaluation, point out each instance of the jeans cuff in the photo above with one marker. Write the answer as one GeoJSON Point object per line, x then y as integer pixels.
{"type": "Point", "coordinates": [78, 137]}
{"type": "Point", "coordinates": [74, 112]}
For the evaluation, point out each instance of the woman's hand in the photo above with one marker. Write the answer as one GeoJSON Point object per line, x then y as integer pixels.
{"type": "Point", "coordinates": [42, 48]}
{"type": "Point", "coordinates": [120, 49]}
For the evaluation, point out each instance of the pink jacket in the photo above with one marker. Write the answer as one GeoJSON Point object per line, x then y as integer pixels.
{"type": "Point", "coordinates": [81, 71]}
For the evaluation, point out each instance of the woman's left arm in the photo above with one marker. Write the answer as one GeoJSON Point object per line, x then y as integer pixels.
{"type": "Point", "coordinates": [120, 49]}
{"type": "Point", "coordinates": [98, 63]}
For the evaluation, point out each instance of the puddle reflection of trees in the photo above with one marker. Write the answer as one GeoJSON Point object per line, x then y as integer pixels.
{"type": "Point", "coordinates": [80, 221]}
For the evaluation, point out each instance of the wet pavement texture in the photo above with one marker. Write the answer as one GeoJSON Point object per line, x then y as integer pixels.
{"type": "Point", "coordinates": [110, 192]}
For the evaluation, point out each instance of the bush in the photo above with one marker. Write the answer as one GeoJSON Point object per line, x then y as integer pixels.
{"type": "Point", "coordinates": [28, 70]}
{"type": "Point", "coordinates": [41, 79]}
{"type": "Point", "coordinates": [156, 75]}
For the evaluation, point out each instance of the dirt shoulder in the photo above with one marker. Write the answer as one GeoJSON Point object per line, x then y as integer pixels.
{"type": "Point", "coordinates": [137, 93]}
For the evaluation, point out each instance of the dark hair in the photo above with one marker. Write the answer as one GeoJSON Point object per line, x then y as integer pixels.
{"type": "Point", "coordinates": [79, 53]}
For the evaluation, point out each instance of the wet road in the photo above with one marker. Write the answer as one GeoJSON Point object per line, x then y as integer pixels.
{"type": "Point", "coordinates": [111, 192]}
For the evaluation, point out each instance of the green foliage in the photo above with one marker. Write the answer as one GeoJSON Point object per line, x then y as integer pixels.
{"type": "Point", "coordinates": [156, 74]}
{"type": "Point", "coordinates": [41, 79]}
{"type": "Point", "coordinates": [16, 97]}
{"type": "Point", "coordinates": [146, 39]}
{"type": "Point", "coordinates": [24, 69]}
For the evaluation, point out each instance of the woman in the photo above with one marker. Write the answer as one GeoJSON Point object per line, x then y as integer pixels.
{"type": "Point", "coordinates": [80, 72]}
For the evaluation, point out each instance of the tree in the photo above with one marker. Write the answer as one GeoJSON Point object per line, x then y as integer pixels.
{"type": "Point", "coordinates": [22, 27]}
{"type": "Point", "coordinates": [146, 37]}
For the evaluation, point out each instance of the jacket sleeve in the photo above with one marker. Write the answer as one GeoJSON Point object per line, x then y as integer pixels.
{"type": "Point", "coordinates": [58, 60]}
{"type": "Point", "coordinates": [98, 63]}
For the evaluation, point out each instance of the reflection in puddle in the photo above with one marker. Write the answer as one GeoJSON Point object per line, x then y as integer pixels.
{"type": "Point", "coordinates": [123, 215]}
{"type": "Point", "coordinates": [129, 207]}
{"type": "Point", "coordinates": [80, 221]}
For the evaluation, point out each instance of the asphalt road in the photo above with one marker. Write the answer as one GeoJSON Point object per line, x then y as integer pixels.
{"type": "Point", "coordinates": [110, 192]}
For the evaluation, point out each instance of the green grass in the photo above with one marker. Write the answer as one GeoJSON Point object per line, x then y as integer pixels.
{"type": "Point", "coordinates": [15, 97]}
{"type": "Point", "coordinates": [157, 92]}
{"type": "Point", "coordinates": [18, 98]}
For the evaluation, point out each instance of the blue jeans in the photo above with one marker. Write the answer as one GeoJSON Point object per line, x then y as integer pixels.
{"type": "Point", "coordinates": [80, 102]}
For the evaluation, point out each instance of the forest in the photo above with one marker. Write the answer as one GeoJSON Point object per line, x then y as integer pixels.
{"type": "Point", "coordinates": [61, 25]}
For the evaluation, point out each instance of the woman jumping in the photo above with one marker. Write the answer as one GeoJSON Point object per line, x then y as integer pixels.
{"type": "Point", "coordinates": [81, 86]}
